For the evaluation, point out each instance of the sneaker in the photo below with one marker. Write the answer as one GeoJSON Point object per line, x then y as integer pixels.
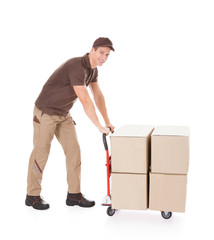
{"type": "Point", "coordinates": [78, 199]}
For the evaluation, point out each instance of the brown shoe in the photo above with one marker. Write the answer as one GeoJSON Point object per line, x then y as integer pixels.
{"type": "Point", "coordinates": [36, 202]}
{"type": "Point", "coordinates": [78, 199]}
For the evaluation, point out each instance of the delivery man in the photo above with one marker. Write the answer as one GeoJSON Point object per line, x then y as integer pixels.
{"type": "Point", "coordinates": [51, 117]}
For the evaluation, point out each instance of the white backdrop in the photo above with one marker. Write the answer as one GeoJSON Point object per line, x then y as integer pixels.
{"type": "Point", "coordinates": [161, 73]}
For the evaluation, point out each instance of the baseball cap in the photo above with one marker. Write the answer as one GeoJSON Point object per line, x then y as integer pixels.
{"type": "Point", "coordinates": [103, 42]}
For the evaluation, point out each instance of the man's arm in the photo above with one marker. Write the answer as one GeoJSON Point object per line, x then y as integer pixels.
{"type": "Point", "coordinates": [88, 106]}
{"type": "Point", "coordinates": [100, 103]}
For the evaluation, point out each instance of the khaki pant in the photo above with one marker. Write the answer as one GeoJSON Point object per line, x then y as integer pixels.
{"type": "Point", "coordinates": [45, 127]}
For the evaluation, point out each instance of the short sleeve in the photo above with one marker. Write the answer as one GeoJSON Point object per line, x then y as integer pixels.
{"type": "Point", "coordinates": [76, 75]}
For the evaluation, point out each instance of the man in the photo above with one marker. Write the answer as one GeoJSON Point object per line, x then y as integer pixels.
{"type": "Point", "coordinates": [51, 117]}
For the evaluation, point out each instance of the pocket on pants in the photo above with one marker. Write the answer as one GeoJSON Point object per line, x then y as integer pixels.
{"type": "Point", "coordinates": [72, 120]}
{"type": "Point", "coordinates": [37, 114]}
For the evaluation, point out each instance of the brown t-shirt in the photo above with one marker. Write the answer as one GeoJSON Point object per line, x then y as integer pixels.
{"type": "Point", "coordinates": [58, 96]}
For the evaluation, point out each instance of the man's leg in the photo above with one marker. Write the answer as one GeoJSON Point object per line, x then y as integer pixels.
{"type": "Point", "coordinates": [44, 129]}
{"type": "Point", "coordinates": [66, 134]}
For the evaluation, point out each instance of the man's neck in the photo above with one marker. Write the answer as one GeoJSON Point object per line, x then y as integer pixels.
{"type": "Point", "coordinates": [92, 63]}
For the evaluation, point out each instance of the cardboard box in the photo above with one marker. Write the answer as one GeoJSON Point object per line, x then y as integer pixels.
{"type": "Point", "coordinates": [167, 192]}
{"type": "Point", "coordinates": [170, 150]}
{"type": "Point", "coordinates": [129, 191]}
{"type": "Point", "coordinates": [130, 149]}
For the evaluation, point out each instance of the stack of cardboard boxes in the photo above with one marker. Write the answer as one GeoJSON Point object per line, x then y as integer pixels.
{"type": "Point", "coordinates": [164, 188]}
{"type": "Point", "coordinates": [130, 154]}
{"type": "Point", "coordinates": [169, 168]}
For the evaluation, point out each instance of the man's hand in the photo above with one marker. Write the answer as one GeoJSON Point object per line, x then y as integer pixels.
{"type": "Point", "coordinates": [109, 125]}
{"type": "Point", "coordinates": [104, 130]}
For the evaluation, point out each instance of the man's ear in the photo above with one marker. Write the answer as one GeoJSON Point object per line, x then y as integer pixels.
{"type": "Point", "coordinates": [92, 50]}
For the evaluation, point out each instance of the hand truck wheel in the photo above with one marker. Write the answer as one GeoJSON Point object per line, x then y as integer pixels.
{"type": "Point", "coordinates": [110, 211]}
{"type": "Point", "coordinates": [166, 215]}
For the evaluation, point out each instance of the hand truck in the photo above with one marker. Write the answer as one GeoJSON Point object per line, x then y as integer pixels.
{"type": "Point", "coordinates": [107, 198]}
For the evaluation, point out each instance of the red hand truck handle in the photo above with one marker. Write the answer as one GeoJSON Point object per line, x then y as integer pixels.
{"type": "Point", "coordinates": [104, 140]}
{"type": "Point", "coordinates": [107, 162]}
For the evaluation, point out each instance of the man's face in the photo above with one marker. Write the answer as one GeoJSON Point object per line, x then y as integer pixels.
{"type": "Point", "coordinates": [100, 55]}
